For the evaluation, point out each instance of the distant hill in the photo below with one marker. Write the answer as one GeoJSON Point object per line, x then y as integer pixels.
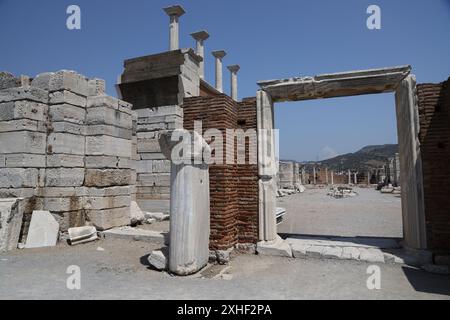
{"type": "Point", "coordinates": [367, 157]}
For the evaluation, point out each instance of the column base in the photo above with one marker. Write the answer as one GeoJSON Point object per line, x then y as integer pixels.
{"type": "Point", "coordinates": [277, 247]}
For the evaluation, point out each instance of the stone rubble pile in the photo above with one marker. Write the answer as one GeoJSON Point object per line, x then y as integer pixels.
{"type": "Point", "coordinates": [341, 192]}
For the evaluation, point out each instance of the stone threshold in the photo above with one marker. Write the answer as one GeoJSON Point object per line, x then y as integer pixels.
{"type": "Point", "coordinates": [136, 234]}
{"type": "Point", "coordinates": [369, 250]}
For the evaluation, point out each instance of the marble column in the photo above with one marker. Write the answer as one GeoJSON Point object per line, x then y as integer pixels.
{"type": "Point", "coordinates": [326, 175]}
{"type": "Point", "coordinates": [349, 177]}
{"type": "Point", "coordinates": [355, 178]}
{"type": "Point", "coordinates": [219, 56]}
{"type": "Point", "coordinates": [234, 84]}
{"type": "Point", "coordinates": [314, 175]}
{"type": "Point", "coordinates": [200, 38]}
{"type": "Point", "coordinates": [189, 202]}
{"type": "Point", "coordinates": [332, 177]}
{"type": "Point", "coordinates": [174, 13]}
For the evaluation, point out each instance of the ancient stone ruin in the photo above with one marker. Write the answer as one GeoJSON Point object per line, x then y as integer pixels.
{"type": "Point", "coordinates": [83, 156]}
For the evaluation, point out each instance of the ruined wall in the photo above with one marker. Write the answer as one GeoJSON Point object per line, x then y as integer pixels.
{"type": "Point", "coordinates": [152, 168]}
{"type": "Point", "coordinates": [66, 147]}
{"type": "Point", "coordinates": [247, 175]}
{"type": "Point", "coordinates": [434, 113]}
{"type": "Point", "coordinates": [233, 188]}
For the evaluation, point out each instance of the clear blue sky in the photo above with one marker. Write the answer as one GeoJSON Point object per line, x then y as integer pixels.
{"type": "Point", "coordinates": [269, 39]}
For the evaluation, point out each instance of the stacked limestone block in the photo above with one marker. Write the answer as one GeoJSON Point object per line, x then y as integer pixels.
{"type": "Point", "coordinates": [23, 135]}
{"type": "Point", "coordinates": [152, 167]}
{"type": "Point", "coordinates": [72, 149]}
{"type": "Point", "coordinates": [61, 190]}
{"type": "Point", "coordinates": [108, 161]}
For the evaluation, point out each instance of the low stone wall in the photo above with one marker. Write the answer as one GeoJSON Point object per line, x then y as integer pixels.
{"type": "Point", "coordinates": [66, 147]}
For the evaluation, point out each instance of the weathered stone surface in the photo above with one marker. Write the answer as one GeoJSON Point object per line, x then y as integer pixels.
{"type": "Point", "coordinates": [11, 215]}
{"type": "Point", "coordinates": [72, 203]}
{"type": "Point", "coordinates": [100, 129]}
{"type": "Point", "coordinates": [108, 146]}
{"type": "Point", "coordinates": [64, 177]}
{"type": "Point", "coordinates": [43, 231]}
{"type": "Point", "coordinates": [350, 253]}
{"type": "Point", "coordinates": [108, 116]}
{"type": "Point", "coordinates": [81, 235]}
{"type": "Point", "coordinates": [107, 177]}
{"type": "Point", "coordinates": [23, 110]}
{"type": "Point", "coordinates": [107, 162]}
{"type": "Point", "coordinates": [24, 93]}
{"type": "Point", "coordinates": [336, 85]}
{"type": "Point", "coordinates": [62, 80]}
{"type": "Point", "coordinates": [22, 142]}
{"type": "Point", "coordinates": [332, 253]}
{"type": "Point", "coordinates": [277, 247]}
{"type": "Point", "coordinates": [66, 143]}
{"type": "Point", "coordinates": [65, 161]}
{"type": "Point", "coordinates": [67, 113]}
{"type": "Point", "coordinates": [18, 178]}
{"type": "Point", "coordinates": [189, 211]}
{"type": "Point", "coordinates": [371, 255]}
{"type": "Point", "coordinates": [23, 125]}
{"type": "Point", "coordinates": [109, 218]}
{"type": "Point", "coordinates": [136, 214]}
{"type": "Point", "coordinates": [98, 203]}
{"type": "Point", "coordinates": [158, 260]}
{"type": "Point", "coordinates": [22, 160]}
{"type": "Point", "coordinates": [67, 97]}
{"type": "Point", "coordinates": [108, 191]}
{"type": "Point", "coordinates": [96, 87]}
{"type": "Point", "coordinates": [8, 80]}
{"type": "Point", "coordinates": [135, 234]}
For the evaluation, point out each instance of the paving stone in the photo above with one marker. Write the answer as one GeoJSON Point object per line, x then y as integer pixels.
{"type": "Point", "coordinates": [332, 253]}
{"type": "Point", "coordinates": [371, 255]}
{"type": "Point", "coordinates": [350, 253]}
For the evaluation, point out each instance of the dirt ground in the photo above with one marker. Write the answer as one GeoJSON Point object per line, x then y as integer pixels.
{"type": "Point", "coordinates": [370, 213]}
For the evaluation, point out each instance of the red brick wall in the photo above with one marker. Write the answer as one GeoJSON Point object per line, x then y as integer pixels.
{"type": "Point", "coordinates": [247, 183]}
{"type": "Point", "coordinates": [233, 188]}
{"type": "Point", "coordinates": [434, 113]}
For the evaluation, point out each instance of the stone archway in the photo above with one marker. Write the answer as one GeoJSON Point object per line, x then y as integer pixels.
{"type": "Point", "coordinates": [395, 79]}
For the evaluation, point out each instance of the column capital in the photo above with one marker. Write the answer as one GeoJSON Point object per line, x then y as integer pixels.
{"type": "Point", "coordinates": [219, 54]}
{"type": "Point", "coordinates": [234, 68]}
{"type": "Point", "coordinates": [174, 11]}
{"type": "Point", "coordinates": [200, 35]}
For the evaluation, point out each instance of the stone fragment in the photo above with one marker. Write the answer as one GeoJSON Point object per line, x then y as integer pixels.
{"type": "Point", "coordinates": [158, 216]}
{"type": "Point", "coordinates": [371, 255]}
{"type": "Point", "coordinates": [11, 215]}
{"type": "Point", "coordinates": [278, 247]}
{"type": "Point", "coordinates": [158, 260]}
{"type": "Point", "coordinates": [82, 235]}
{"type": "Point", "coordinates": [136, 214]}
{"type": "Point", "coordinates": [350, 253]}
{"type": "Point", "coordinates": [332, 253]}
{"type": "Point", "coordinates": [109, 218]}
{"type": "Point", "coordinates": [43, 231]}
{"type": "Point", "coordinates": [136, 234]}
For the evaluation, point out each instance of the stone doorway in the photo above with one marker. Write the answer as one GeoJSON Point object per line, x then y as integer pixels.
{"type": "Point", "coordinates": [394, 79]}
